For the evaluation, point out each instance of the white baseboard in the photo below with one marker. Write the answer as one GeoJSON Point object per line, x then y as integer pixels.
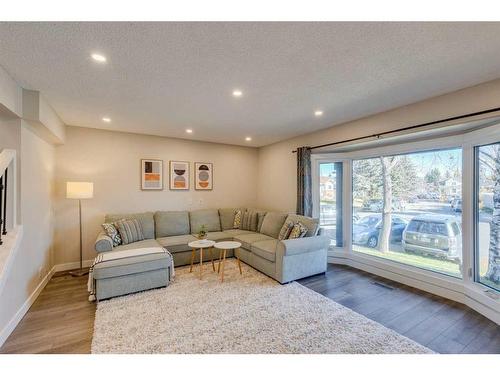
{"type": "Point", "coordinates": [7, 330]}
{"type": "Point", "coordinates": [72, 265]}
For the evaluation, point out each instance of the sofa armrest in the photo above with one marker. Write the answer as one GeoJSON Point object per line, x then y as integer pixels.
{"type": "Point", "coordinates": [303, 245]}
{"type": "Point", "coordinates": [103, 242]}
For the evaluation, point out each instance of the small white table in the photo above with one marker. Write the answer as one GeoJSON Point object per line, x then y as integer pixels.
{"type": "Point", "coordinates": [201, 244]}
{"type": "Point", "coordinates": [224, 246]}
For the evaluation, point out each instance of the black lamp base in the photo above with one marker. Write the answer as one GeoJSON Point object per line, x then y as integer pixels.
{"type": "Point", "coordinates": [79, 273]}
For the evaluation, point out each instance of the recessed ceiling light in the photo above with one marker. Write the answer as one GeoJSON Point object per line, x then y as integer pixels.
{"type": "Point", "coordinates": [189, 131]}
{"type": "Point", "coordinates": [106, 119]}
{"type": "Point", "coordinates": [237, 93]}
{"type": "Point", "coordinates": [318, 113]}
{"type": "Point", "coordinates": [248, 139]}
{"type": "Point", "coordinates": [99, 58]}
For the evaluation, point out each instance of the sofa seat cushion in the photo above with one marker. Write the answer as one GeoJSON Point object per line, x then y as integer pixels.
{"type": "Point", "coordinates": [235, 232]}
{"type": "Point", "coordinates": [265, 249]}
{"type": "Point", "coordinates": [132, 265]}
{"type": "Point", "coordinates": [219, 236]}
{"type": "Point", "coordinates": [248, 239]}
{"type": "Point", "coordinates": [177, 244]}
{"type": "Point", "coordinates": [208, 218]}
{"type": "Point", "coordinates": [137, 245]}
{"type": "Point", "coordinates": [146, 219]}
{"type": "Point", "coordinates": [171, 223]}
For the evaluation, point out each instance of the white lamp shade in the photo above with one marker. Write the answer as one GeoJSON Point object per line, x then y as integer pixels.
{"type": "Point", "coordinates": [79, 190]}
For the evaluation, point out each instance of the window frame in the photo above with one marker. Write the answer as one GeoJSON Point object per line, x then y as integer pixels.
{"type": "Point", "coordinates": [432, 149]}
{"type": "Point", "coordinates": [466, 289]}
{"type": "Point", "coordinates": [475, 204]}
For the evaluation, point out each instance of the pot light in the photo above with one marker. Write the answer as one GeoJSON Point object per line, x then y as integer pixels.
{"type": "Point", "coordinates": [248, 139]}
{"type": "Point", "coordinates": [318, 113]}
{"type": "Point", "coordinates": [237, 93]}
{"type": "Point", "coordinates": [189, 131]}
{"type": "Point", "coordinates": [99, 58]}
{"type": "Point", "coordinates": [106, 119]}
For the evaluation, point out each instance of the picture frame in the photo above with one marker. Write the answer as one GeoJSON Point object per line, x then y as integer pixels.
{"type": "Point", "coordinates": [179, 175]}
{"type": "Point", "coordinates": [151, 174]}
{"type": "Point", "coordinates": [203, 176]}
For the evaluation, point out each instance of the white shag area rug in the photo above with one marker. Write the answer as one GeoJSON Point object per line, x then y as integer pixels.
{"type": "Point", "coordinates": [248, 313]}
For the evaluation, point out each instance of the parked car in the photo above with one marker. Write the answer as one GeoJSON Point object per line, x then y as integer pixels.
{"type": "Point", "coordinates": [457, 207]}
{"type": "Point", "coordinates": [438, 235]}
{"type": "Point", "coordinates": [367, 229]}
{"type": "Point", "coordinates": [374, 205]}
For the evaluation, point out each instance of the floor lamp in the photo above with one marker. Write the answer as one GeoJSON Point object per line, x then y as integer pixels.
{"type": "Point", "coordinates": [79, 190]}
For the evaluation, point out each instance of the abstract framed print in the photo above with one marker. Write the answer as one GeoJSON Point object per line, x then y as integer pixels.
{"type": "Point", "coordinates": [151, 174]}
{"type": "Point", "coordinates": [179, 175]}
{"type": "Point", "coordinates": [203, 176]}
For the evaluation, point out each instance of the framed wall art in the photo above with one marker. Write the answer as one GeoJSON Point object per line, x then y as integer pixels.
{"type": "Point", "coordinates": [203, 176]}
{"type": "Point", "coordinates": [179, 175]}
{"type": "Point", "coordinates": [151, 174]}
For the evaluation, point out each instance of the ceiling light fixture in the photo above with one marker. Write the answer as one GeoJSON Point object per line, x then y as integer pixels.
{"type": "Point", "coordinates": [237, 93]}
{"type": "Point", "coordinates": [189, 131]}
{"type": "Point", "coordinates": [99, 58]}
{"type": "Point", "coordinates": [106, 119]}
{"type": "Point", "coordinates": [248, 139]}
{"type": "Point", "coordinates": [318, 113]}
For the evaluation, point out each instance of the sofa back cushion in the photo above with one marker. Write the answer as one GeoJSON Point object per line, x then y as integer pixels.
{"type": "Point", "coordinates": [311, 224]}
{"type": "Point", "coordinates": [272, 223]}
{"type": "Point", "coordinates": [227, 217]}
{"type": "Point", "coordinates": [146, 220]}
{"type": "Point", "coordinates": [171, 223]}
{"type": "Point", "coordinates": [208, 218]}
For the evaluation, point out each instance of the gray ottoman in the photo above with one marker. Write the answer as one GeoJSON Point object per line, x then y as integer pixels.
{"type": "Point", "coordinates": [131, 273]}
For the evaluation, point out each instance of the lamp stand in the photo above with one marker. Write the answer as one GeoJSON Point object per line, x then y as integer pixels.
{"type": "Point", "coordinates": [81, 271]}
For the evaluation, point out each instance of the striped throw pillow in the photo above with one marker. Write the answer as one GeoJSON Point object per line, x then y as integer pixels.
{"type": "Point", "coordinates": [130, 231]}
{"type": "Point", "coordinates": [285, 231]}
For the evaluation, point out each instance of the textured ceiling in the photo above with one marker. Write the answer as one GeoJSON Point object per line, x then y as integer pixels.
{"type": "Point", "coordinates": [162, 78]}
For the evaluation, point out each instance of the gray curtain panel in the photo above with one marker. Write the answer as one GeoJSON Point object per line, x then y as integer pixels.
{"type": "Point", "coordinates": [304, 181]}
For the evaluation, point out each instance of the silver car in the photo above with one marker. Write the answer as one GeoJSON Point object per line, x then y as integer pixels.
{"type": "Point", "coordinates": [438, 235]}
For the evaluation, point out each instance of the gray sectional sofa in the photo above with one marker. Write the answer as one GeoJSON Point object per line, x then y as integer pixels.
{"type": "Point", "coordinates": [284, 261]}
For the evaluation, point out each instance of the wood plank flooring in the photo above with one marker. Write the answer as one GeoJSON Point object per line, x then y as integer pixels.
{"type": "Point", "coordinates": [61, 319]}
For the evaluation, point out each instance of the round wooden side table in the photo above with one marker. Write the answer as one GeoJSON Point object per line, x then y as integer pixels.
{"type": "Point", "coordinates": [200, 245]}
{"type": "Point", "coordinates": [223, 246]}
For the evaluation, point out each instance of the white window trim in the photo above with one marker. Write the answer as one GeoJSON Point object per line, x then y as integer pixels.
{"type": "Point", "coordinates": [464, 290]}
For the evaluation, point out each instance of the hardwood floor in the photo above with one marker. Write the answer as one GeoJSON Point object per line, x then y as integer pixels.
{"type": "Point", "coordinates": [61, 320]}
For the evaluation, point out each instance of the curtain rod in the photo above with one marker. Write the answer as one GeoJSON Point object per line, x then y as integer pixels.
{"type": "Point", "coordinates": [378, 135]}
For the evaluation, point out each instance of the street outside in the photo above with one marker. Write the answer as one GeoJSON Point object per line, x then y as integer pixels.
{"type": "Point", "coordinates": [396, 250]}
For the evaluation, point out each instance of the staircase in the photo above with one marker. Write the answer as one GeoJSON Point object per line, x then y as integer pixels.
{"type": "Point", "coordinates": [8, 226]}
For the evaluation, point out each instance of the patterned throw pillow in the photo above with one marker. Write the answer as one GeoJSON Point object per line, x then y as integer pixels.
{"type": "Point", "coordinates": [111, 231]}
{"type": "Point", "coordinates": [237, 220]}
{"type": "Point", "coordinates": [130, 231]}
{"type": "Point", "coordinates": [299, 230]}
{"type": "Point", "coordinates": [285, 231]}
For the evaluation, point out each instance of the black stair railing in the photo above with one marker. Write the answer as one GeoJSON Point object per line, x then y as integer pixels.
{"type": "Point", "coordinates": [3, 204]}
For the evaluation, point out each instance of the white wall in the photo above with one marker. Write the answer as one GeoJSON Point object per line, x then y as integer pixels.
{"type": "Point", "coordinates": [34, 259]}
{"type": "Point", "coordinates": [111, 160]}
{"type": "Point", "coordinates": [277, 164]}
